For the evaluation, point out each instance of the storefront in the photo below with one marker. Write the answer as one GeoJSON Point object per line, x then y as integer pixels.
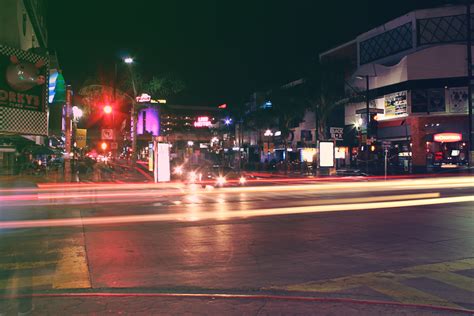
{"type": "Point", "coordinates": [446, 150]}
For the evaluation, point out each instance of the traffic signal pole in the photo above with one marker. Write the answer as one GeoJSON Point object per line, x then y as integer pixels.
{"type": "Point", "coordinates": [67, 160]}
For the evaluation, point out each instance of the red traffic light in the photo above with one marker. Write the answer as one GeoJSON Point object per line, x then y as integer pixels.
{"type": "Point", "coordinates": [107, 109]}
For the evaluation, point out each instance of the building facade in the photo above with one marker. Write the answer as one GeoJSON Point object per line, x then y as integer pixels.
{"type": "Point", "coordinates": [24, 68]}
{"type": "Point", "coordinates": [413, 71]}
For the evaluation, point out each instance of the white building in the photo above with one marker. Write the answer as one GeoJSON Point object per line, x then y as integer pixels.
{"type": "Point", "coordinates": [417, 81]}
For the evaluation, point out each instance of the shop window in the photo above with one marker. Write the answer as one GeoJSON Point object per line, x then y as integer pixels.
{"type": "Point", "coordinates": [426, 101]}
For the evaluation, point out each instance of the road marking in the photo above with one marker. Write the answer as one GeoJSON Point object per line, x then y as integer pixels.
{"type": "Point", "coordinates": [454, 279]}
{"type": "Point", "coordinates": [390, 282]}
{"type": "Point", "coordinates": [407, 294]}
{"type": "Point", "coordinates": [72, 271]}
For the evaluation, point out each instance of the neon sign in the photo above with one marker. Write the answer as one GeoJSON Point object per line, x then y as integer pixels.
{"type": "Point", "coordinates": [447, 137]}
{"type": "Point", "coordinates": [143, 98]}
{"type": "Point", "coordinates": [202, 121]}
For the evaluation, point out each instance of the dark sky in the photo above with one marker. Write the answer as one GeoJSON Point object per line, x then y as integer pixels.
{"type": "Point", "coordinates": [222, 49]}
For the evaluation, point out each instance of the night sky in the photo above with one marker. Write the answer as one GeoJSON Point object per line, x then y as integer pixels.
{"type": "Point", "coordinates": [223, 50]}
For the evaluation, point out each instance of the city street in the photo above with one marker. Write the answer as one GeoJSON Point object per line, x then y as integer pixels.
{"type": "Point", "coordinates": [408, 240]}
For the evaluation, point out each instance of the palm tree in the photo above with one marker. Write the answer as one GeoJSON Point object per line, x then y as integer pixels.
{"type": "Point", "coordinates": [288, 109]}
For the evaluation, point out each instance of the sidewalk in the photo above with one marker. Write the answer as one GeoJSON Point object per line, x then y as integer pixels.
{"type": "Point", "coordinates": [186, 304]}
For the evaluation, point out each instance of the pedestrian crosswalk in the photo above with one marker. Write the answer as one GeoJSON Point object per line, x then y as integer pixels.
{"type": "Point", "coordinates": [405, 285]}
{"type": "Point", "coordinates": [48, 263]}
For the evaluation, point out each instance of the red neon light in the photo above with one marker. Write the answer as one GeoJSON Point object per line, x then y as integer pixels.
{"type": "Point", "coordinates": [447, 137]}
{"type": "Point", "coordinates": [223, 106]}
{"type": "Point", "coordinates": [202, 121]}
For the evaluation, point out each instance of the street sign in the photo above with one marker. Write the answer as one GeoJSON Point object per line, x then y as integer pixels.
{"type": "Point", "coordinates": [337, 133]}
{"type": "Point", "coordinates": [81, 137]}
{"type": "Point", "coordinates": [107, 133]}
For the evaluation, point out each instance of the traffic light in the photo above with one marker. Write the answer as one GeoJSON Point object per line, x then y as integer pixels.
{"type": "Point", "coordinates": [372, 148]}
{"type": "Point", "coordinates": [103, 146]}
{"type": "Point", "coordinates": [107, 109]}
{"type": "Point", "coordinates": [373, 124]}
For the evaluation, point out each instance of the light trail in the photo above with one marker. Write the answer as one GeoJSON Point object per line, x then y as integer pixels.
{"type": "Point", "coordinates": [165, 190]}
{"type": "Point", "coordinates": [239, 214]}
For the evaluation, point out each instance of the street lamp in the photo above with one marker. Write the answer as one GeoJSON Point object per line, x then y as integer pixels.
{"type": "Point", "coordinates": [76, 113]}
{"type": "Point", "coordinates": [367, 114]}
{"type": "Point", "coordinates": [129, 61]}
{"type": "Point", "coordinates": [269, 134]}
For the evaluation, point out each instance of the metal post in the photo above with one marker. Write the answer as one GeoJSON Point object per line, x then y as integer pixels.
{"type": "Point", "coordinates": [469, 81]}
{"type": "Point", "coordinates": [134, 118]}
{"type": "Point", "coordinates": [385, 162]}
{"type": "Point", "coordinates": [67, 161]}
{"type": "Point", "coordinates": [316, 138]}
{"type": "Point", "coordinates": [367, 118]}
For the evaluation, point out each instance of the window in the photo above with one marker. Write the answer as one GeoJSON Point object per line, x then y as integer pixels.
{"type": "Point", "coordinates": [386, 44]}
{"type": "Point", "coordinates": [444, 29]}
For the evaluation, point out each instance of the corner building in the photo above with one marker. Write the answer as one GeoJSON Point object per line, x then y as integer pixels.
{"type": "Point", "coordinates": [417, 75]}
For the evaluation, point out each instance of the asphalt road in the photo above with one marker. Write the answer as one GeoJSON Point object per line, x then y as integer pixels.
{"type": "Point", "coordinates": [408, 241]}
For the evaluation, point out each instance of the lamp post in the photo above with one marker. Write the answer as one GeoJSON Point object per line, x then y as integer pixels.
{"type": "Point", "coordinates": [367, 114]}
{"type": "Point", "coordinates": [76, 116]}
{"type": "Point", "coordinates": [269, 134]}
{"type": "Point", "coordinates": [129, 61]}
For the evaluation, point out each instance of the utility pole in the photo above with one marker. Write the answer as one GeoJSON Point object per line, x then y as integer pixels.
{"type": "Point", "coordinates": [469, 81]}
{"type": "Point", "coordinates": [67, 161]}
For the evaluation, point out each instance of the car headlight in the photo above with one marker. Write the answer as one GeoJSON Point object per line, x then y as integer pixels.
{"type": "Point", "coordinates": [192, 176]}
{"type": "Point", "coordinates": [242, 180]}
{"type": "Point", "coordinates": [178, 170]}
{"type": "Point", "coordinates": [220, 180]}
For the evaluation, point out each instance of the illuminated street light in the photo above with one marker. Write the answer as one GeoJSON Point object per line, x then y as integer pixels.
{"type": "Point", "coordinates": [103, 146]}
{"type": "Point", "coordinates": [228, 121]}
{"type": "Point", "coordinates": [190, 143]}
{"type": "Point", "coordinates": [128, 60]}
{"type": "Point", "coordinates": [268, 133]}
{"type": "Point", "coordinates": [107, 109]}
{"type": "Point", "coordinates": [76, 112]}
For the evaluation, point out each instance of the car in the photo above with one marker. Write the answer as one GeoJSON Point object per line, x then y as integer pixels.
{"type": "Point", "coordinates": [220, 176]}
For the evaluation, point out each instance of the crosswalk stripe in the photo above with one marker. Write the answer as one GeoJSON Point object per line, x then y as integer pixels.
{"type": "Point", "coordinates": [454, 279]}
{"type": "Point", "coordinates": [391, 284]}
{"type": "Point", "coordinates": [407, 294]}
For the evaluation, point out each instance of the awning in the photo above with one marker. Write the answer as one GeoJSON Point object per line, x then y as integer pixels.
{"type": "Point", "coordinates": [39, 150]}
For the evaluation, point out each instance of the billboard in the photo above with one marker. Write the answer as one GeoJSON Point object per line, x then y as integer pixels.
{"type": "Point", "coordinates": [81, 137]}
{"type": "Point", "coordinates": [162, 171]}
{"type": "Point", "coordinates": [326, 157]}
{"type": "Point", "coordinates": [396, 104]}
{"type": "Point", "coordinates": [23, 92]}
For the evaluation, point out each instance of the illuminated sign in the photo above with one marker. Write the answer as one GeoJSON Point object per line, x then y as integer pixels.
{"type": "Point", "coordinates": [447, 137]}
{"type": "Point", "coordinates": [143, 98]}
{"type": "Point", "coordinates": [307, 154]}
{"type": "Point", "coordinates": [202, 121]}
{"type": "Point", "coordinates": [326, 157]}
